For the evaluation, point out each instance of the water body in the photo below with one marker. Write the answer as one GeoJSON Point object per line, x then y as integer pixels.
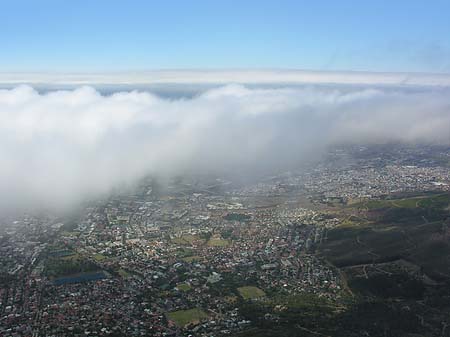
{"type": "Point", "coordinates": [80, 278]}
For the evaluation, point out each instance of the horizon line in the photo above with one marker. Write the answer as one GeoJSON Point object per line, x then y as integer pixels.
{"type": "Point", "coordinates": [224, 76]}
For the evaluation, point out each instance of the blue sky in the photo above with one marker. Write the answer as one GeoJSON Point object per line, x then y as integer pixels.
{"type": "Point", "coordinates": [100, 35]}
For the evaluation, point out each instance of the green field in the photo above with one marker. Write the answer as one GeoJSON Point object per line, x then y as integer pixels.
{"type": "Point", "coordinates": [185, 240]}
{"type": "Point", "coordinates": [184, 287]}
{"type": "Point", "coordinates": [74, 256]}
{"type": "Point", "coordinates": [218, 242]}
{"type": "Point", "coordinates": [353, 222]}
{"type": "Point", "coordinates": [424, 201]}
{"type": "Point", "coordinates": [250, 292]}
{"type": "Point", "coordinates": [185, 317]}
{"type": "Point", "coordinates": [69, 233]}
{"type": "Point", "coordinates": [99, 257]}
{"type": "Point", "coordinates": [123, 273]}
{"type": "Point", "coordinates": [191, 258]}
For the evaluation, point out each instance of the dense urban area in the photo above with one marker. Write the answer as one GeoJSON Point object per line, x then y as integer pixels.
{"type": "Point", "coordinates": [356, 244]}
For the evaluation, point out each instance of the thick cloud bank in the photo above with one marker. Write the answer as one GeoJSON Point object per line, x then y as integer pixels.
{"type": "Point", "coordinates": [58, 147]}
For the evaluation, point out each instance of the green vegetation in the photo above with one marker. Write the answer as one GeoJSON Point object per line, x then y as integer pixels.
{"type": "Point", "coordinates": [218, 242]}
{"type": "Point", "coordinates": [399, 285]}
{"type": "Point", "coordinates": [99, 257]}
{"type": "Point", "coordinates": [226, 234]}
{"type": "Point", "coordinates": [437, 201]}
{"type": "Point", "coordinates": [185, 317]}
{"type": "Point", "coordinates": [228, 285]}
{"type": "Point", "coordinates": [123, 273]}
{"type": "Point", "coordinates": [60, 252]}
{"type": "Point", "coordinates": [237, 217]}
{"type": "Point", "coordinates": [423, 201]}
{"type": "Point", "coordinates": [73, 256]}
{"type": "Point", "coordinates": [55, 267]}
{"type": "Point", "coordinates": [289, 315]}
{"type": "Point", "coordinates": [190, 259]}
{"type": "Point", "coordinates": [310, 315]}
{"type": "Point", "coordinates": [250, 292]}
{"type": "Point", "coordinates": [70, 233]}
{"type": "Point", "coordinates": [186, 239]}
{"type": "Point", "coordinates": [415, 232]}
{"type": "Point", "coordinates": [353, 221]}
{"type": "Point", "coordinates": [184, 287]}
{"type": "Point", "coordinates": [395, 256]}
{"type": "Point", "coordinates": [383, 203]}
{"type": "Point", "coordinates": [205, 236]}
{"type": "Point", "coordinates": [299, 301]}
{"type": "Point", "coordinates": [183, 252]}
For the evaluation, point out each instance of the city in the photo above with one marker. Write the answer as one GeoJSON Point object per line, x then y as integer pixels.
{"type": "Point", "coordinates": [199, 257]}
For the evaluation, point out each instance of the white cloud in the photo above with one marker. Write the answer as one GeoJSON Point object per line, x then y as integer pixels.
{"type": "Point", "coordinates": [58, 147]}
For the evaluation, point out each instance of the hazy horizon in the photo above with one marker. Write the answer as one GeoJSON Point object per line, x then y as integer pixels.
{"type": "Point", "coordinates": [226, 76]}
